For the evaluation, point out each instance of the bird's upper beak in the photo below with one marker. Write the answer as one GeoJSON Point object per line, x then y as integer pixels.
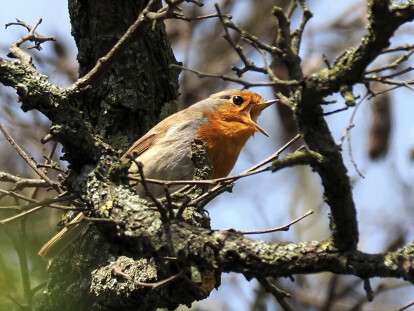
{"type": "Point", "coordinates": [266, 104]}
{"type": "Point", "coordinates": [255, 112]}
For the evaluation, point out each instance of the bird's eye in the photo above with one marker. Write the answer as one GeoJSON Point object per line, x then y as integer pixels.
{"type": "Point", "coordinates": [238, 100]}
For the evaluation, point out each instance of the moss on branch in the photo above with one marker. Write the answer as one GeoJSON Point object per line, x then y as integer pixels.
{"type": "Point", "coordinates": [81, 142]}
{"type": "Point", "coordinates": [383, 20]}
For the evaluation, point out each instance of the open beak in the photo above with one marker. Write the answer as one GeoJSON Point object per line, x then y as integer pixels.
{"type": "Point", "coordinates": [259, 108]}
{"type": "Point", "coordinates": [260, 129]}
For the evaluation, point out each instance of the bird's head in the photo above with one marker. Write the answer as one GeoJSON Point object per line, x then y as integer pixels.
{"type": "Point", "coordinates": [243, 107]}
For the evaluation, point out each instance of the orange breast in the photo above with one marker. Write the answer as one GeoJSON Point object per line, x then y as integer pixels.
{"type": "Point", "coordinates": [224, 141]}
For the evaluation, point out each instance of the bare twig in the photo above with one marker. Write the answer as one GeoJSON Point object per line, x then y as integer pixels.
{"type": "Point", "coordinates": [281, 228]}
{"type": "Point", "coordinates": [143, 180]}
{"type": "Point", "coordinates": [394, 74]}
{"type": "Point", "coordinates": [225, 185]}
{"type": "Point", "coordinates": [146, 15]}
{"type": "Point", "coordinates": [20, 182]}
{"type": "Point", "coordinates": [105, 61]}
{"type": "Point", "coordinates": [406, 307]}
{"type": "Point", "coordinates": [383, 80]}
{"type": "Point", "coordinates": [383, 287]}
{"type": "Point", "coordinates": [32, 36]}
{"type": "Point", "coordinates": [279, 294]}
{"type": "Point", "coordinates": [31, 200]}
{"type": "Point", "coordinates": [252, 39]}
{"type": "Point", "coordinates": [392, 65]}
{"type": "Point", "coordinates": [291, 8]}
{"type": "Point", "coordinates": [347, 134]}
{"type": "Point", "coordinates": [145, 186]}
{"type": "Point", "coordinates": [405, 47]}
{"type": "Point", "coordinates": [284, 38]}
{"type": "Point", "coordinates": [368, 290]}
{"type": "Point", "coordinates": [275, 155]}
{"type": "Point", "coordinates": [53, 166]}
{"type": "Point", "coordinates": [248, 64]}
{"type": "Point", "coordinates": [33, 208]}
{"type": "Point", "coordinates": [168, 197]}
{"type": "Point", "coordinates": [298, 33]}
{"type": "Point", "coordinates": [245, 83]}
{"type": "Point", "coordinates": [336, 111]}
{"type": "Point", "coordinates": [196, 18]}
{"type": "Point", "coordinates": [29, 160]}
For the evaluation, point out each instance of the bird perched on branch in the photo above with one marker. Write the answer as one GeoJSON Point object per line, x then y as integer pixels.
{"type": "Point", "coordinates": [223, 123]}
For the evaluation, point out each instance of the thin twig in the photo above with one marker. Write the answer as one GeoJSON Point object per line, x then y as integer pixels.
{"type": "Point", "coordinates": [196, 18]}
{"type": "Point", "coordinates": [248, 64]}
{"type": "Point", "coordinates": [146, 15]}
{"type": "Point", "coordinates": [53, 166]}
{"type": "Point", "coordinates": [347, 134]}
{"type": "Point", "coordinates": [29, 160]}
{"type": "Point", "coordinates": [33, 208]}
{"type": "Point", "coordinates": [32, 36]}
{"type": "Point", "coordinates": [393, 65]}
{"type": "Point", "coordinates": [281, 228]}
{"type": "Point", "coordinates": [168, 197]}
{"type": "Point", "coordinates": [21, 182]}
{"type": "Point", "coordinates": [382, 80]}
{"type": "Point", "coordinates": [245, 83]}
{"type": "Point", "coordinates": [279, 294]}
{"type": "Point", "coordinates": [252, 39]}
{"type": "Point", "coordinates": [225, 185]}
{"type": "Point", "coordinates": [211, 182]}
{"type": "Point", "coordinates": [335, 111]}
{"type": "Point", "coordinates": [405, 47]}
{"type": "Point", "coordinates": [368, 290]}
{"type": "Point", "coordinates": [298, 33]}
{"type": "Point", "coordinates": [291, 8]}
{"type": "Point", "coordinates": [148, 192]}
{"type": "Point", "coordinates": [275, 155]}
{"type": "Point", "coordinates": [28, 199]}
{"type": "Point", "coordinates": [411, 304]}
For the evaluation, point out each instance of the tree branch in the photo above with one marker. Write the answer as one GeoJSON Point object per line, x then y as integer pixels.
{"type": "Point", "coordinates": [383, 21]}
{"type": "Point", "coordinates": [68, 125]}
{"type": "Point", "coordinates": [347, 70]}
{"type": "Point", "coordinates": [227, 251]}
{"type": "Point", "coordinates": [21, 182]}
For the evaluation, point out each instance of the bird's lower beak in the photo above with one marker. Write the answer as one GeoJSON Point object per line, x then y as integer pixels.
{"type": "Point", "coordinates": [257, 110]}
{"type": "Point", "coordinates": [260, 129]}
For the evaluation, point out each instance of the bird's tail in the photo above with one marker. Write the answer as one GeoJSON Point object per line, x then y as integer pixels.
{"type": "Point", "coordinates": [72, 231]}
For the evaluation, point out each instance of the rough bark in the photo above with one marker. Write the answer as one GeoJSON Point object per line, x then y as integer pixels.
{"type": "Point", "coordinates": [139, 84]}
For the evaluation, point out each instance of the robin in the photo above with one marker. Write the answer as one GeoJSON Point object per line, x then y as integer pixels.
{"type": "Point", "coordinates": [223, 122]}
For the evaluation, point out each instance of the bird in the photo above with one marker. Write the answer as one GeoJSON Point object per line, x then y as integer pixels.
{"type": "Point", "coordinates": [223, 122]}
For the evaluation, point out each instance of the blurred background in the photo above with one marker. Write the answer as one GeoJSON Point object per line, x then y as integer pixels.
{"type": "Point", "coordinates": [377, 137]}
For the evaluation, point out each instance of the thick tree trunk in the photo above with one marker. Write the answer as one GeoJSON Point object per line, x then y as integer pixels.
{"type": "Point", "coordinates": [138, 89]}
{"type": "Point", "coordinates": [139, 84]}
